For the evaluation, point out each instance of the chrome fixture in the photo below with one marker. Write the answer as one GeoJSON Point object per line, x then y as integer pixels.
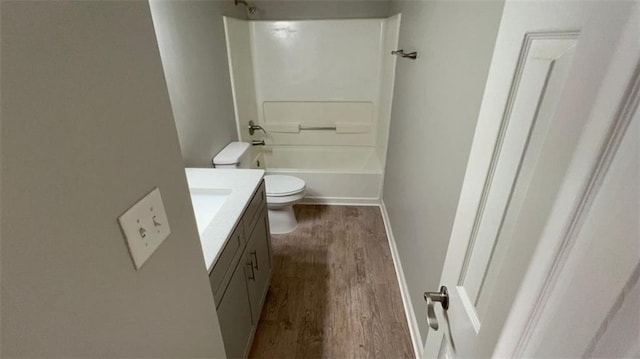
{"type": "Point", "coordinates": [250, 8]}
{"type": "Point", "coordinates": [317, 128]}
{"type": "Point", "coordinates": [430, 297]}
{"type": "Point", "coordinates": [257, 143]}
{"type": "Point", "coordinates": [253, 127]}
{"type": "Point", "coordinates": [410, 55]}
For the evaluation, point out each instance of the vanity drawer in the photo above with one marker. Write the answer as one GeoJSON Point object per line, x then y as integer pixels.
{"type": "Point", "coordinates": [226, 263]}
{"type": "Point", "coordinates": [252, 213]}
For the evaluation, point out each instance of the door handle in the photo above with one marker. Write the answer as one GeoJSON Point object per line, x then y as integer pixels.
{"type": "Point", "coordinates": [431, 297]}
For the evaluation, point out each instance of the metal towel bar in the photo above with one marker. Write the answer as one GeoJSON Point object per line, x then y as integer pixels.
{"type": "Point", "coordinates": [317, 128]}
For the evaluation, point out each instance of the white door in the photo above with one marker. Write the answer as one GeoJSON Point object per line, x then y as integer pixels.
{"type": "Point", "coordinates": [548, 65]}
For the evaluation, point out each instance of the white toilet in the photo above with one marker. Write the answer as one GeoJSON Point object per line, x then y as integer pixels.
{"type": "Point", "coordinates": [282, 191]}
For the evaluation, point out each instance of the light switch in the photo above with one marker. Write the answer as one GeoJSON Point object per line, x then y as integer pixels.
{"type": "Point", "coordinates": [145, 227]}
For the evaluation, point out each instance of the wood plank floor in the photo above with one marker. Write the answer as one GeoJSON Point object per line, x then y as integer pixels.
{"type": "Point", "coordinates": [334, 292]}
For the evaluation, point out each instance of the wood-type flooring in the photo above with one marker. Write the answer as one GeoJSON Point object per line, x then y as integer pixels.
{"type": "Point", "coordinates": [334, 292]}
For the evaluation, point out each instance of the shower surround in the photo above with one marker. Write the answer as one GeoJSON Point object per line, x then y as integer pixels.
{"type": "Point", "coordinates": [322, 90]}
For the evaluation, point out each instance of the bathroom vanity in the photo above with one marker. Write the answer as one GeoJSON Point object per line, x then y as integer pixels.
{"type": "Point", "coordinates": [231, 214]}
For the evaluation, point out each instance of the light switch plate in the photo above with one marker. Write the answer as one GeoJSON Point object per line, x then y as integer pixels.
{"type": "Point", "coordinates": [145, 227]}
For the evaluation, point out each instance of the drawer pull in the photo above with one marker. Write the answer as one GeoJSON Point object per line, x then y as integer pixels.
{"type": "Point", "coordinates": [253, 253]}
{"type": "Point", "coordinates": [253, 274]}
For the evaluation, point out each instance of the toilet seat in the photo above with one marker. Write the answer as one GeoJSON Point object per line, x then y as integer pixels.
{"type": "Point", "coordinates": [282, 186]}
{"type": "Point", "coordinates": [282, 193]}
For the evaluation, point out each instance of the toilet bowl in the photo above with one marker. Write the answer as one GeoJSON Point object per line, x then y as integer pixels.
{"type": "Point", "coordinates": [282, 191]}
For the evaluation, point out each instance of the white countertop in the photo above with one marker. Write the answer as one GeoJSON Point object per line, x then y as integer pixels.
{"type": "Point", "coordinates": [240, 185]}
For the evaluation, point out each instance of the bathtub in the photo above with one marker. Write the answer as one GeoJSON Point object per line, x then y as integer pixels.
{"type": "Point", "coordinates": [336, 175]}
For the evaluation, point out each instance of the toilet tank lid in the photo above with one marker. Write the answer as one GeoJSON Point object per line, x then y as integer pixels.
{"type": "Point", "coordinates": [231, 154]}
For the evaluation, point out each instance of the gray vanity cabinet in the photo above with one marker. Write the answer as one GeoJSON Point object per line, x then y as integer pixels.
{"type": "Point", "coordinates": [258, 262]}
{"type": "Point", "coordinates": [234, 316]}
{"type": "Point", "coordinates": [240, 277]}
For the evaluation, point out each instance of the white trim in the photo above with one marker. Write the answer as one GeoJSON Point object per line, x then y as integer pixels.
{"type": "Point", "coordinates": [231, 71]}
{"type": "Point", "coordinates": [394, 60]}
{"type": "Point", "coordinates": [529, 51]}
{"type": "Point", "coordinates": [341, 201]}
{"type": "Point", "coordinates": [412, 321]}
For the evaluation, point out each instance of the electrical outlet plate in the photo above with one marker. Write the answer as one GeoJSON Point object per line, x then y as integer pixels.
{"type": "Point", "coordinates": [145, 227]}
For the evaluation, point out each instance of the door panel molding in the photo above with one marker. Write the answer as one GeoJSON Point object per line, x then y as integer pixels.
{"type": "Point", "coordinates": [615, 309]}
{"type": "Point", "coordinates": [536, 46]}
{"type": "Point", "coordinates": [527, 45]}
{"type": "Point", "coordinates": [626, 110]}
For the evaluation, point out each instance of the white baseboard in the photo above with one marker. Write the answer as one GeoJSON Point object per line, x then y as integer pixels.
{"type": "Point", "coordinates": [404, 290]}
{"type": "Point", "coordinates": [341, 201]}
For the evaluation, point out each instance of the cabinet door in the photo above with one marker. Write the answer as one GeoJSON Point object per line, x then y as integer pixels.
{"type": "Point", "coordinates": [234, 315]}
{"type": "Point", "coordinates": [226, 263]}
{"type": "Point", "coordinates": [259, 255]}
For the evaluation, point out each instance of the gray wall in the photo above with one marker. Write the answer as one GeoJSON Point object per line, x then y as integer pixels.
{"type": "Point", "coordinates": [87, 130]}
{"type": "Point", "coordinates": [319, 9]}
{"type": "Point", "coordinates": [194, 56]}
{"type": "Point", "coordinates": [435, 109]}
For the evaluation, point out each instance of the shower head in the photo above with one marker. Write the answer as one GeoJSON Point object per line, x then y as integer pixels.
{"type": "Point", "coordinates": [250, 8]}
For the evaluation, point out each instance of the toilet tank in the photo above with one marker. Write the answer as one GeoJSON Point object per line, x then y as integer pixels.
{"type": "Point", "coordinates": [234, 155]}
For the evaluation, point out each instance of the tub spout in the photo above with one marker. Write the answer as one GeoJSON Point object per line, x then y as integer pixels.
{"type": "Point", "coordinates": [257, 143]}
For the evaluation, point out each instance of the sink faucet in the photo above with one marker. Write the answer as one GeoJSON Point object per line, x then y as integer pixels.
{"type": "Point", "coordinates": [257, 143]}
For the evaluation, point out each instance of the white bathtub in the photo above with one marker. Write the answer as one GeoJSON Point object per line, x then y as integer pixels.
{"type": "Point", "coordinates": [339, 175]}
